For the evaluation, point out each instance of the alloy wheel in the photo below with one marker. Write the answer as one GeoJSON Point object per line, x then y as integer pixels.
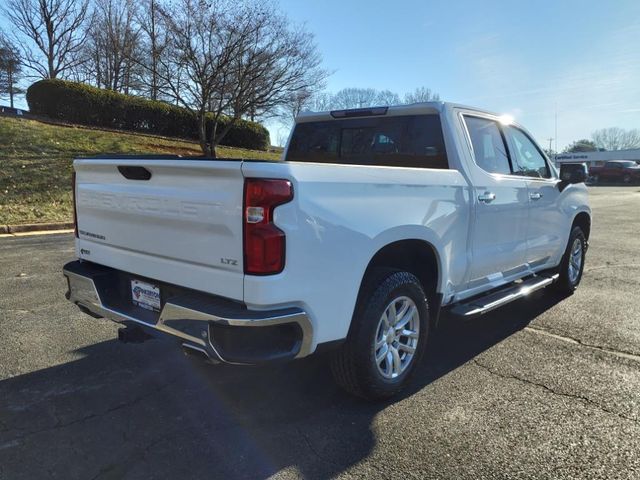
{"type": "Point", "coordinates": [397, 337]}
{"type": "Point", "coordinates": [575, 260]}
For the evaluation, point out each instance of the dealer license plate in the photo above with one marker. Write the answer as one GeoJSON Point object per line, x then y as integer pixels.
{"type": "Point", "coordinates": [145, 295]}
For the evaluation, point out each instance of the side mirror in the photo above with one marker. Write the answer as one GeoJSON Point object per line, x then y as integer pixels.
{"type": "Point", "coordinates": [573, 173]}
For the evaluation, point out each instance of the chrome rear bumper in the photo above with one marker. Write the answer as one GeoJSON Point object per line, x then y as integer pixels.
{"type": "Point", "coordinates": [192, 317]}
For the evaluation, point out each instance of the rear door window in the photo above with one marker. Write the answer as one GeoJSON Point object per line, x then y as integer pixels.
{"type": "Point", "coordinates": [489, 149]}
{"type": "Point", "coordinates": [403, 141]}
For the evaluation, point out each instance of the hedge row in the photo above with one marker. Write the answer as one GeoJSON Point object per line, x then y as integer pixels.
{"type": "Point", "coordinates": [80, 103]}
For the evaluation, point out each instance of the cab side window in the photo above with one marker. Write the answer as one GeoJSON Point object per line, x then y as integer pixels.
{"type": "Point", "coordinates": [489, 149]}
{"type": "Point", "coordinates": [527, 159]}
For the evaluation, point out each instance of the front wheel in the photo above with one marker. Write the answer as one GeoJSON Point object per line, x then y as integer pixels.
{"type": "Point", "coordinates": [387, 338]}
{"type": "Point", "coordinates": [572, 264]}
{"type": "Point", "coordinates": [626, 178]}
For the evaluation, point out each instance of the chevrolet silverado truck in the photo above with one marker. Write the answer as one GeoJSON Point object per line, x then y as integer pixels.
{"type": "Point", "coordinates": [372, 222]}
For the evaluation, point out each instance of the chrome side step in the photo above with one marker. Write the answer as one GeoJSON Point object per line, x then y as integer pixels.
{"type": "Point", "coordinates": [482, 305]}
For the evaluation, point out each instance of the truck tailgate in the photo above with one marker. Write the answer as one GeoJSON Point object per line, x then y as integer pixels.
{"type": "Point", "coordinates": [182, 225]}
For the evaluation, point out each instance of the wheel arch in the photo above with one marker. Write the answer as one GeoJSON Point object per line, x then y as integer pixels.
{"type": "Point", "coordinates": [416, 256]}
{"type": "Point", "coordinates": [583, 220]}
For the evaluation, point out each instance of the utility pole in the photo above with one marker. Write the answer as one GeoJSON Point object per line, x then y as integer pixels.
{"type": "Point", "coordinates": [550, 140]}
{"type": "Point", "coordinates": [556, 126]}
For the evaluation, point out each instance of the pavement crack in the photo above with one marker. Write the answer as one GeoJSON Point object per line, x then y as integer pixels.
{"type": "Point", "coordinates": [576, 341]}
{"type": "Point", "coordinates": [59, 424]}
{"type": "Point", "coordinates": [138, 455]}
{"type": "Point", "coordinates": [612, 265]}
{"type": "Point", "coordinates": [103, 470]}
{"type": "Point", "coordinates": [552, 391]}
{"type": "Point", "coordinates": [311, 447]}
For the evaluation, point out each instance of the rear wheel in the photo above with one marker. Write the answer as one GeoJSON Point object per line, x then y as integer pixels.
{"type": "Point", "coordinates": [387, 338]}
{"type": "Point", "coordinates": [572, 264]}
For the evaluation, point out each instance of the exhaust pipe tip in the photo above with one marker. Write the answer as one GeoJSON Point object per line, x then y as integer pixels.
{"type": "Point", "coordinates": [198, 353]}
{"type": "Point", "coordinates": [133, 335]}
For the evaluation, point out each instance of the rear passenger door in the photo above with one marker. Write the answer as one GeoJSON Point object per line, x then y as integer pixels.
{"type": "Point", "coordinates": [546, 228]}
{"type": "Point", "coordinates": [499, 233]}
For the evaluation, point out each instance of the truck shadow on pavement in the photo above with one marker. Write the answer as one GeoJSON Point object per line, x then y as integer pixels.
{"type": "Point", "coordinates": [126, 411]}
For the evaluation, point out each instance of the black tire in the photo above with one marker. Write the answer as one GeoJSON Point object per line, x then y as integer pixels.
{"type": "Point", "coordinates": [626, 179]}
{"type": "Point", "coordinates": [565, 283]}
{"type": "Point", "coordinates": [353, 365]}
{"type": "Point", "coordinates": [596, 179]}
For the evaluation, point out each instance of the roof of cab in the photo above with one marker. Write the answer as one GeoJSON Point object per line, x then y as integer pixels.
{"type": "Point", "coordinates": [392, 111]}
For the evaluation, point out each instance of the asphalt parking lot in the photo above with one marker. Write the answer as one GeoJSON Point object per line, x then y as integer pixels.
{"type": "Point", "coordinates": [548, 387]}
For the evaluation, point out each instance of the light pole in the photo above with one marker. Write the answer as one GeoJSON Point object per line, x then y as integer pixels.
{"type": "Point", "coordinates": [556, 122]}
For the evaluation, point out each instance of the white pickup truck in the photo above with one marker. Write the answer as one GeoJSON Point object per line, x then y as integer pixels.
{"type": "Point", "coordinates": [373, 221]}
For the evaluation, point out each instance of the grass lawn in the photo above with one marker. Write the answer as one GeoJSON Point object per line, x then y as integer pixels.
{"type": "Point", "coordinates": [35, 164]}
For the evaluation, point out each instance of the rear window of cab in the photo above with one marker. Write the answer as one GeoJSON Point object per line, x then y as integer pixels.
{"type": "Point", "coordinates": [402, 141]}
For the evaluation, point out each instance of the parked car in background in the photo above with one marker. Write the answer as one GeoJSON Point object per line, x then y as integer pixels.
{"type": "Point", "coordinates": [11, 111]}
{"type": "Point", "coordinates": [375, 220]}
{"type": "Point", "coordinates": [625, 171]}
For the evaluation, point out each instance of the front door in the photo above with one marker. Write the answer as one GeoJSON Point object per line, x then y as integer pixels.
{"type": "Point", "coordinates": [546, 228]}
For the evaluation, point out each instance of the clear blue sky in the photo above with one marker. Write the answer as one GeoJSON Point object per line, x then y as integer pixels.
{"type": "Point", "coordinates": [517, 57]}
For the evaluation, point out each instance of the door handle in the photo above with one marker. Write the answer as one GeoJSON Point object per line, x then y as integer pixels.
{"type": "Point", "coordinates": [487, 197]}
{"type": "Point", "coordinates": [535, 196]}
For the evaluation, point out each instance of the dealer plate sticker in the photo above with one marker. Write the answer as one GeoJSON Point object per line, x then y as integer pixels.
{"type": "Point", "coordinates": [145, 295]}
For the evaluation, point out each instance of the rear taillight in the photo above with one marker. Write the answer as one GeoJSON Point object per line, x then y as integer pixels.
{"type": "Point", "coordinates": [264, 243]}
{"type": "Point", "coordinates": [75, 211]}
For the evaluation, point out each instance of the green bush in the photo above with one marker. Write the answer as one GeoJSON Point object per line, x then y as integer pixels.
{"type": "Point", "coordinates": [80, 103]}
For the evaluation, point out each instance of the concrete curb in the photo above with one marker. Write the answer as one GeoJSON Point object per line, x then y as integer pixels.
{"type": "Point", "coordinates": [35, 227]}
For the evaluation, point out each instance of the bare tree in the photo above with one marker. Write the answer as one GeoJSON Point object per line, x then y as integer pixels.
{"type": "Point", "coordinates": [355, 98]}
{"type": "Point", "coordinates": [352, 98]}
{"type": "Point", "coordinates": [113, 46]}
{"type": "Point", "coordinates": [421, 94]}
{"type": "Point", "coordinates": [296, 103]}
{"type": "Point", "coordinates": [154, 45]}
{"type": "Point", "coordinates": [204, 38]}
{"type": "Point", "coordinates": [10, 69]}
{"type": "Point", "coordinates": [616, 138]}
{"type": "Point", "coordinates": [237, 60]}
{"type": "Point", "coordinates": [279, 63]}
{"type": "Point", "coordinates": [320, 102]}
{"type": "Point", "coordinates": [305, 101]}
{"type": "Point", "coordinates": [54, 29]}
{"type": "Point", "coordinates": [370, 97]}
{"type": "Point", "coordinates": [282, 137]}
{"type": "Point", "coordinates": [387, 97]}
